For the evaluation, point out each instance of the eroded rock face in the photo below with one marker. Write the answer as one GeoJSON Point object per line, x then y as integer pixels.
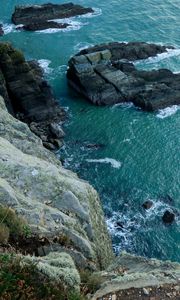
{"type": "Point", "coordinates": [27, 95]}
{"type": "Point", "coordinates": [55, 202]}
{"type": "Point", "coordinates": [39, 17]}
{"type": "Point", "coordinates": [105, 75]}
{"type": "Point", "coordinates": [130, 271]}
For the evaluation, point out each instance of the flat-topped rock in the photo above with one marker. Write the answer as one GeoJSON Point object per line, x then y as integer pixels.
{"type": "Point", "coordinates": [39, 17]}
{"type": "Point", "coordinates": [106, 75]}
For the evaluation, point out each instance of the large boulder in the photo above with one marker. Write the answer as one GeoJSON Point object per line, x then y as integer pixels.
{"type": "Point", "coordinates": [105, 75]}
{"type": "Point", "coordinates": [39, 17]}
{"type": "Point", "coordinates": [27, 95]}
{"type": "Point", "coordinates": [58, 206]}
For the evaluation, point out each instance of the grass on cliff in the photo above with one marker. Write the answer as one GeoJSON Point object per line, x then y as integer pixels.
{"type": "Point", "coordinates": [18, 281]}
{"type": "Point", "coordinates": [11, 225]}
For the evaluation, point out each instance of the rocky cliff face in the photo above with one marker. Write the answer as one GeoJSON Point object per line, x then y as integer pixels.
{"type": "Point", "coordinates": [57, 205]}
{"type": "Point", "coordinates": [29, 97]}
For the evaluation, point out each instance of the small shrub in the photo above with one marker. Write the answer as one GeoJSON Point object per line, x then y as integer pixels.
{"type": "Point", "coordinates": [15, 224]}
{"type": "Point", "coordinates": [4, 48]}
{"type": "Point", "coordinates": [90, 282]}
{"type": "Point", "coordinates": [4, 234]}
{"type": "Point", "coordinates": [17, 56]}
{"type": "Point", "coordinates": [19, 281]}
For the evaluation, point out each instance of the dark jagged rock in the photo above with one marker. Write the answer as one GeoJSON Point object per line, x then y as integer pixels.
{"type": "Point", "coordinates": [45, 25]}
{"type": "Point", "coordinates": [105, 75]}
{"type": "Point", "coordinates": [39, 17]}
{"type": "Point", "coordinates": [168, 217]}
{"type": "Point", "coordinates": [27, 95]}
{"type": "Point", "coordinates": [147, 204]}
{"type": "Point", "coordinates": [1, 30]}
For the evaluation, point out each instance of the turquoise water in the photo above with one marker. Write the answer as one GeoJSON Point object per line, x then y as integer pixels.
{"type": "Point", "coordinates": [143, 147]}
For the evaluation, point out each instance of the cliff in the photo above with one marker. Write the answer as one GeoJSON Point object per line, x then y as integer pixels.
{"type": "Point", "coordinates": [54, 201]}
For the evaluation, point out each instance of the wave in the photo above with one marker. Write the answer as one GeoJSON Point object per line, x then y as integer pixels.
{"type": "Point", "coordinates": [114, 163]}
{"type": "Point", "coordinates": [44, 64]}
{"type": "Point", "coordinates": [8, 28]}
{"type": "Point", "coordinates": [123, 105]}
{"type": "Point", "coordinates": [167, 112]}
{"type": "Point", "coordinates": [82, 45]}
{"type": "Point", "coordinates": [73, 25]}
{"type": "Point", "coordinates": [97, 12]}
{"type": "Point", "coordinates": [161, 56]}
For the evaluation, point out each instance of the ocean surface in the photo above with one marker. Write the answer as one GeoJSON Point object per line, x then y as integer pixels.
{"type": "Point", "coordinates": [139, 157]}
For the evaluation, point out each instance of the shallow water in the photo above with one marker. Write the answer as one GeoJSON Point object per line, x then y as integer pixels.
{"type": "Point", "coordinates": [139, 157]}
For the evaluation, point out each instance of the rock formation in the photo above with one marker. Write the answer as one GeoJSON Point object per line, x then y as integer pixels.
{"type": "Point", "coordinates": [134, 277]}
{"type": "Point", "coordinates": [1, 30]}
{"type": "Point", "coordinates": [29, 97]}
{"type": "Point", "coordinates": [39, 17]}
{"type": "Point", "coordinates": [105, 75]}
{"type": "Point", "coordinates": [56, 203]}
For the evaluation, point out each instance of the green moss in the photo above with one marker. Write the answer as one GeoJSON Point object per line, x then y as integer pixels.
{"type": "Point", "coordinates": [17, 56]}
{"type": "Point", "coordinates": [12, 224]}
{"type": "Point", "coordinates": [4, 48]}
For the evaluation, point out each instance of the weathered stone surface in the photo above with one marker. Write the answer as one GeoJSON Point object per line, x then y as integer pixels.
{"type": "Point", "coordinates": [28, 95]}
{"type": "Point", "coordinates": [39, 17]}
{"type": "Point", "coordinates": [54, 201]}
{"type": "Point", "coordinates": [105, 75]}
{"type": "Point", "coordinates": [129, 271]}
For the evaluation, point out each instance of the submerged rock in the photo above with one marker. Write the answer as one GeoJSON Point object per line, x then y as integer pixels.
{"type": "Point", "coordinates": [147, 204]}
{"type": "Point", "coordinates": [39, 17]}
{"type": "Point", "coordinates": [168, 217]}
{"type": "Point", "coordinates": [1, 30]}
{"type": "Point", "coordinates": [27, 95]}
{"type": "Point", "coordinates": [105, 75]}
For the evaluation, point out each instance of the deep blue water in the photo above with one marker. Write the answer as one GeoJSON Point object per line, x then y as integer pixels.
{"type": "Point", "coordinates": [140, 157]}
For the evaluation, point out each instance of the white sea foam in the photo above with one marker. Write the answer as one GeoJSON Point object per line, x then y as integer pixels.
{"type": "Point", "coordinates": [8, 28]}
{"type": "Point", "coordinates": [114, 163]}
{"type": "Point", "coordinates": [97, 12]}
{"type": "Point", "coordinates": [82, 45]}
{"type": "Point", "coordinates": [44, 64]}
{"type": "Point", "coordinates": [73, 25]}
{"type": "Point", "coordinates": [123, 105]}
{"type": "Point", "coordinates": [161, 56]}
{"type": "Point", "coordinates": [167, 112]}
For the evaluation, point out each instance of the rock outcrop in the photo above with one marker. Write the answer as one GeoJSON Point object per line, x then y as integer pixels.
{"type": "Point", "coordinates": [133, 272]}
{"type": "Point", "coordinates": [57, 205]}
{"type": "Point", "coordinates": [1, 30]}
{"type": "Point", "coordinates": [39, 17]}
{"type": "Point", "coordinates": [105, 75]}
{"type": "Point", "coordinates": [28, 96]}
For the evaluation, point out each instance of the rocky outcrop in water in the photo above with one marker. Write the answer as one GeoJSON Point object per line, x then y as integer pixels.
{"type": "Point", "coordinates": [39, 17]}
{"type": "Point", "coordinates": [105, 75]}
{"type": "Point", "coordinates": [1, 30]}
{"type": "Point", "coordinates": [29, 97]}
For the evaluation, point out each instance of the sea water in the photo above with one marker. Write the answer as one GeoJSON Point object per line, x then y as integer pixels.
{"type": "Point", "coordinates": [137, 157]}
